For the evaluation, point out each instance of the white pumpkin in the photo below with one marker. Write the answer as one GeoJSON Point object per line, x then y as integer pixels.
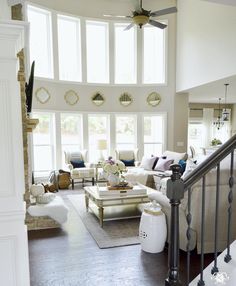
{"type": "Point", "coordinates": [37, 190]}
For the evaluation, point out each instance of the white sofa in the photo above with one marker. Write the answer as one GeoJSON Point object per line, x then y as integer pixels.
{"type": "Point", "coordinates": [144, 173]}
{"type": "Point", "coordinates": [210, 196]}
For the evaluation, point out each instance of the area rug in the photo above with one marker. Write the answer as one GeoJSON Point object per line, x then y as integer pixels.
{"type": "Point", "coordinates": [114, 232]}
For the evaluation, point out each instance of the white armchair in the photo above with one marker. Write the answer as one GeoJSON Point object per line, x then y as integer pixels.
{"type": "Point", "coordinates": [128, 157]}
{"type": "Point", "coordinates": [80, 169]}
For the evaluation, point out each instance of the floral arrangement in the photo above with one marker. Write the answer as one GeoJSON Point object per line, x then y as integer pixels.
{"type": "Point", "coordinates": [114, 167]}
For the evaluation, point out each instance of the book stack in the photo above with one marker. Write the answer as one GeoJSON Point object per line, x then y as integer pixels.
{"type": "Point", "coordinates": [135, 190]}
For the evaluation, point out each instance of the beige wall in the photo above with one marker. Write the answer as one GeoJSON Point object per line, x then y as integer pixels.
{"type": "Point", "coordinates": [206, 43]}
{"type": "Point", "coordinates": [181, 122]}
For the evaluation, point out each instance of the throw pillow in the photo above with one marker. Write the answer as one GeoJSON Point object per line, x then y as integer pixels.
{"type": "Point", "coordinates": [182, 164]}
{"type": "Point", "coordinates": [163, 164]}
{"type": "Point", "coordinates": [190, 166]}
{"type": "Point", "coordinates": [128, 163]}
{"type": "Point", "coordinates": [147, 163]}
{"type": "Point", "coordinates": [77, 163]}
{"type": "Point", "coordinates": [175, 156]}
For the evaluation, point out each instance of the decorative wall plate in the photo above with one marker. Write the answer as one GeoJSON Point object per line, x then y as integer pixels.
{"type": "Point", "coordinates": [125, 99]}
{"type": "Point", "coordinates": [154, 98]}
{"type": "Point", "coordinates": [98, 98]}
{"type": "Point", "coordinates": [71, 97]}
{"type": "Point", "coordinates": [42, 95]}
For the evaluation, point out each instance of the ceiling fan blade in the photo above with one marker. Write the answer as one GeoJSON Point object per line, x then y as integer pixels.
{"type": "Point", "coordinates": [129, 27]}
{"type": "Point", "coordinates": [157, 24]}
{"type": "Point", "coordinates": [164, 12]}
{"type": "Point", "coordinates": [116, 16]}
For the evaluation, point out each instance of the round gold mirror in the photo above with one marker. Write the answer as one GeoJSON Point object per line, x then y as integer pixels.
{"type": "Point", "coordinates": [125, 99]}
{"type": "Point", "coordinates": [154, 98]}
{"type": "Point", "coordinates": [98, 99]}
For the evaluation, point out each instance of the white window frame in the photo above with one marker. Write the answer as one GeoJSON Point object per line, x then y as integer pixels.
{"type": "Point", "coordinates": [50, 35]}
{"type": "Point", "coordinates": [164, 134]}
{"type": "Point", "coordinates": [135, 126]}
{"type": "Point", "coordinates": [165, 59]}
{"type": "Point", "coordinates": [79, 50]}
{"type": "Point", "coordinates": [107, 36]}
{"type": "Point", "coordinates": [52, 144]}
{"type": "Point", "coordinates": [108, 117]}
{"type": "Point", "coordinates": [135, 54]}
{"type": "Point", "coordinates": [81, 126]}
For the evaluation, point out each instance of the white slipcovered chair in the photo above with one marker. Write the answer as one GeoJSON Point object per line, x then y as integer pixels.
{"type": "Point", "coordinates": [128, 156]}
{"type": "Point", "coordinates": [81, 173]}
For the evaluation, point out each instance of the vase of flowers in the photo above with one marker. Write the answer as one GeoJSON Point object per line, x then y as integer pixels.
{"type": "Point", "coordinates": [113, 170]}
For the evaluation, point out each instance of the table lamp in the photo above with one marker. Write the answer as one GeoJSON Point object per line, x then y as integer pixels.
{"type": "Point", "coordinates": [101, 145]}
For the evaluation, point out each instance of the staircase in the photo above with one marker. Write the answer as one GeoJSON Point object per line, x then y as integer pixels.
{"type": "Point", "coordinates": [226, 274]}
{"type": "Point", "coordinates": [222, 271]}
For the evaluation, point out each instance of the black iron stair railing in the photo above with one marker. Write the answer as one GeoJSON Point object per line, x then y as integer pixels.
{"type": "Point", "coordinates": [176, 188]}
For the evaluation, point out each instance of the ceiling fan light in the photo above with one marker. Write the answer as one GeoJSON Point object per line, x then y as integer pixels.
{"type": "Point", "coordinates": [140, 20]}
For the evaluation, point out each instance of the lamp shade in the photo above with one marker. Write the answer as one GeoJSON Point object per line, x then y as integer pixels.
{"type": "Point", "coordinates": [102, 144]}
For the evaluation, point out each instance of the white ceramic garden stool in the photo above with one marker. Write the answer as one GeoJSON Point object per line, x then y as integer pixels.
{"type": "Point", "coordinates": [152, 228]}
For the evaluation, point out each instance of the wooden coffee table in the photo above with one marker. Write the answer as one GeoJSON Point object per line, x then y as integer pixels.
{"type": "Point", "coordinates": [102, 202]}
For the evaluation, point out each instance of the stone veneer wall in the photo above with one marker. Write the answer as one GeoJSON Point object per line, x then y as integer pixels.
{"type": "Point", "coordinates": [32, 222]}
{"type": "Point", "coordinates": [21, 79]}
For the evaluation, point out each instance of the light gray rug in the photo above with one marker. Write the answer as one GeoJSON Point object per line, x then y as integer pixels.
{"type": "Point", "coordinates": [114, 232]}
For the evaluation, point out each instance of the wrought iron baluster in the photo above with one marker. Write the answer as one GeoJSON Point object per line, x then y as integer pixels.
{"type": "Point", "coordinates": [215, 268]}
{"type": "Point", "coordinates": [201, 281]}
{"type": "Point", "coordinates": [230, 200]}
{"type": "Point", "coordinates": [188, 234]}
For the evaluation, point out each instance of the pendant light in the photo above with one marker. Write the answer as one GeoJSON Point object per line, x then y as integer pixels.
{"type": "Point", "coordinates": [225, 113]}
{"type": "Point", "coordinates": [218, 123]}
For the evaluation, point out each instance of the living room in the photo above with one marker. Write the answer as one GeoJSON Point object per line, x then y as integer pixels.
{"type": "Point", "coordinates": [58, 98]}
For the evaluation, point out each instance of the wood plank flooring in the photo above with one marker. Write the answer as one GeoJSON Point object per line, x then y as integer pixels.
{"type": "Point", "coordinates": [70, 257]}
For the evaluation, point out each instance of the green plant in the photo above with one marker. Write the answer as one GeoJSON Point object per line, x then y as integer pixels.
{"type": "Point", "coordinates": [215, 142]}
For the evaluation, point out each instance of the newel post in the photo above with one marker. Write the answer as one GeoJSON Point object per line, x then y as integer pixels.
{"type": "Point", "coordinates": [175, 192]}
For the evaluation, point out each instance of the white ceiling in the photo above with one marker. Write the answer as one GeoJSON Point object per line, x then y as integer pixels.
{"type": "Point", "coordinates": [211, 92]}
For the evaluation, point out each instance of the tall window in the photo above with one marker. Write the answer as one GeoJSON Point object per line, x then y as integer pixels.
{"type": "Point", "coordinates": [41, 41]}
{"type": "Point", "coordinates": [126, 131]}
{"type": "Point", "coordinates": [125, 54]}
{"type": "Point", "coordinates": [153, 127]}
{"type": "Point", "coordinates": [71, 132]}
{"type": "Point", "coordinates": [97, 52]}
{"type": "Point", "coordinates": [98, 128]}
{"type": "Point", "coordinates": [43, 145]}
{"type": "Point", "coordinates": [69, 48]}
{"type": "Point", "coordinates": [153, 55]}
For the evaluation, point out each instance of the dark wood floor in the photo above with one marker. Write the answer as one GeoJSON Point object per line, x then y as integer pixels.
{"type": "Point", "coordinates": [70, 257]}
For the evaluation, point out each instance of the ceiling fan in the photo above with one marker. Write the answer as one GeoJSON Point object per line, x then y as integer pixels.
{"type": "Point", "coordinates": [141, 17]}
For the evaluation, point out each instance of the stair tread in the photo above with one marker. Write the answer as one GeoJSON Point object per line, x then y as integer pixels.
{"type": "Point", "coordinates": [228, 268]}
